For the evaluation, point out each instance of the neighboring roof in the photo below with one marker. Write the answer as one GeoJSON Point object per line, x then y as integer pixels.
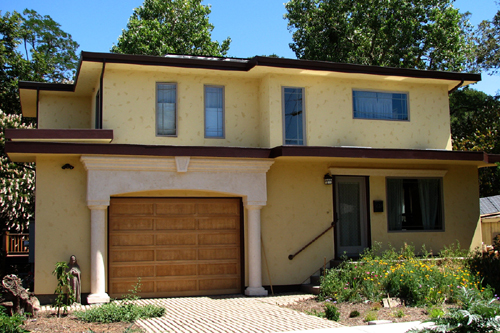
{"type": "Point", "coordinates": [490, 205]}
{"type": "Point", "coordinates": [238, 64]}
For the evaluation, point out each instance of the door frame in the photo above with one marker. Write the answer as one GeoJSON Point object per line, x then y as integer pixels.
{"type": "Point", "coordinates": [335, 213]}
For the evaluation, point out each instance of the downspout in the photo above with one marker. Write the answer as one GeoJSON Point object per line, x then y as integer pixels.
{"type": "Point", "coordinates": [37, 105]}
{"type": "Point", "coordinates": [456, 87]}
{"type": "Point", "coordinates": [102, 93]}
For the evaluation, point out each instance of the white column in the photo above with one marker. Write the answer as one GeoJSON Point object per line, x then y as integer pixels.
{"type": "Point", "coordinates": [97, 250]}
{"type": "Point", "coordinates": [254, 257]}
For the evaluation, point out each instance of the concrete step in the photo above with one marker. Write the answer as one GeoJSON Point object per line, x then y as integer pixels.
{"type": "Point", "coordinates": [310, 289]}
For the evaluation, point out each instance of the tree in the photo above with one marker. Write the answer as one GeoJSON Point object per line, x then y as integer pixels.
{"type": "Point", "coordinates": [487, 46]}
{"type": "Point", "coordinates": [475, 126]}
{"type": "Point", "coordinates": [17, 182]}
{"type": "Point", "coordinates": [421, 34]}
{"type": "Point", "coordinates": [32, 48]}
{"type": "Point", "coordinates": [160, 27]}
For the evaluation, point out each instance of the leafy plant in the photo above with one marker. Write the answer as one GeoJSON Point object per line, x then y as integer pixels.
{"type": "Point", "coordinates": [354, 314]}
{"type": "Point", "coordinates": [435, 312]}
{"type": "Point", "coordinates": [398, 313]}
{"type": "Point", "coordinates": [65, 296]}
{"type": "Point", "coordinates": [331, 312]}
{"type": "Point", "coordinates": [475, 315]}
{"type": "Point", "coordinates": [316, 313]}
{"type": "Point", "coordinates": [371, 316]}
{"type": "Point", "coordinates": [125, 311]}
{"type": "Point", "coordinates": [11, 324]}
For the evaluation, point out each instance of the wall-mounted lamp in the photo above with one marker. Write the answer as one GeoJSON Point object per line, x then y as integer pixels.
{"type": "Point", "coordinates": [328, 179]}
{"type": "Point", "coordinates": [67, 166]}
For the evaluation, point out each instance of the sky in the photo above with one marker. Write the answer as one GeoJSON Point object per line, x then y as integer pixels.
{"type": "Point", "coordinates": [256, 27]}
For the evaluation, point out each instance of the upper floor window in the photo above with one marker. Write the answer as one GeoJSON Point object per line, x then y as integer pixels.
{"type": "Point", "coordinates": [380, 105]}
{"type": "Point", "coordinates": [214, 112]}
{"type": "Point", "coordinates": [293, 116]}
{"type": "Point", "coordinates": [98, 110]}
{"type": "Point", "coordinates": [414, 204]}
{"type": "Point", "coordinates": [166, 109]}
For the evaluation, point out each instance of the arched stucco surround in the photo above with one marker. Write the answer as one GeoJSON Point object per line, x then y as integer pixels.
{"type": "Point", "coordinates": [108, 176]}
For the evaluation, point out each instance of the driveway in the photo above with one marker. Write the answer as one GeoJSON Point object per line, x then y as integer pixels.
{"type": "Point", "coordinates": [234, 313]}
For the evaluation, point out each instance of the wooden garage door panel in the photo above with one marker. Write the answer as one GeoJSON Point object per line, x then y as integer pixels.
{"type": "Point", "coordinates": [218, 253]}
{"type": "Point", "coordinates": [132, 255]}
{"type": "Point", "coordinates": [163, 255]}
{"type": "Point", "coordinates": [215, 284]}
{"type": "Point", "coordinates": [218, 208]}
{"type": "Point", "coordinates": [132, 240]}
{"type": "Point", "coordinates": [133, 271]}
{"type": "Point", "coordinates": [176, 270]}
{"type": "Point", "coordinates": [176, 239]}
{"type": "Point", "coordinates": [182, 246]}
{"type": "Point", "coordinates": [218, 269]}
{"type": "Point", "coordinates": [177, 285]}
{"type": "Point", "coordinates": [175, 208]}
{"type": "Point", "coordinates": [226, 238]}
{"type": "Point", "coordinates": [176, 224]}
{"type": "Point", "coordinates": [131, 209]}
{"type": "Point", "coordinates": [130, 224]}
{"type": "Point", "coordinates": [122, 288]}
{"type": "Point", "coordinates": [218, 223]}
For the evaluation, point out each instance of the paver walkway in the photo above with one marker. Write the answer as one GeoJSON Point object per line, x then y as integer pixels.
{"type": "Point", "coordinates": [235, 313]}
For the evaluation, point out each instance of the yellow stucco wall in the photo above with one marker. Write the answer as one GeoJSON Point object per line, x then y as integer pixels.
{"type": "Point", "coordinates": [253, 110]}
{"type": "Point", "coordinates": [129, 108]}
{"type": "Point", "coordinates": [62, 220]}
{"type": "Point", "coordinates": [300, 207]}
{"type": "Point", "coordinates": [60, 111]}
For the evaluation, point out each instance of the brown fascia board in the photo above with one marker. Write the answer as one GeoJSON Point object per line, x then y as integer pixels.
{"type": "Point", "coordinates": [64, 134]}
{"type": "Point", "coordinates": [239, 152]}
{"type": "Point", "coordinates": [382, 153]}
{"type": "Point", "coordinates": [239, 64]}
{"type": "Point", "coordinates": [364, 69]}
{"type": "Point", "coordinates": [494, 158]}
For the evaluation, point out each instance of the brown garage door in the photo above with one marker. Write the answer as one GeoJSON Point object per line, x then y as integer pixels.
{"type": "Point", "coordinates": [176, 246]}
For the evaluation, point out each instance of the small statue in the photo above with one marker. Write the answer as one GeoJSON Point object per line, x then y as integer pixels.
{"type": "Point", "coordinates": [74, 278]}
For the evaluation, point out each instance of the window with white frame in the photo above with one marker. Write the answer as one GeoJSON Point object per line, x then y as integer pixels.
{"type": "Point", "coordinates": [293, 116]}
{"type": "Point", "coordinates": [214, 112]}
{"type": "Point", "coordinates": [414, 204]}
{"type": "Point", "coordinates": [166, 109]}
{"type": "Point", "coordinates": [380, 105]}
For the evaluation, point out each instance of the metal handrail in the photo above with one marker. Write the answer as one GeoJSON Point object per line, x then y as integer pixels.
{"type": "Point", "coordinates": [291, 256]}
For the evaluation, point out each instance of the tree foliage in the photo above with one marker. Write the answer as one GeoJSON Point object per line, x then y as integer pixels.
{"type": "Point", "coordinates": [487, 45]}
{"type": "Point", "coordinates": [17, 182]}
{"type": "Point", "coordinates": [421, 34]}
{"type": "Point", "coordinates": [32, 48]}
{"type": "Point", "coordinates": [475, 126]}
{"type": "Point", "coordinates": [160, 27]}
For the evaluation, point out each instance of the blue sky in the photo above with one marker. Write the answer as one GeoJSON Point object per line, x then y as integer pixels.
{"type": "Point", "coordinates": [256, 27]}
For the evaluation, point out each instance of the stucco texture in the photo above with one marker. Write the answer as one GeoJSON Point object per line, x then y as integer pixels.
{"type": "Point", "coordinates": [300, 208]}
{"type": "Point", "coordinates": [64, 111]}
{"type": "Point", "coordinates": [62, 220]}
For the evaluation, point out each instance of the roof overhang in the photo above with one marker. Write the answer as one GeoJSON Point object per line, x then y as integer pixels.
{"type": "Point", "coordinates": [91, 64]}
{"type": "Point", "coordinates": [26, 150]}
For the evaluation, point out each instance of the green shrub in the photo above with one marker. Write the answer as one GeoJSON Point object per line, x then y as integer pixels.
{"type": "Point", "coordinates": [125, 310]}
{"type": "Point", "coordinates": [316, 313]}
{"type": "Point", "coordinates": [116, 311]}
{"type": "Point", "coordinates": [354, 314]}
{"type": "Point", "coordinates": [401, 274]}
{"type": "Point", "coordinates": [331, 312]}
{"type": "Point", "coordinates": [398, 313]}
{"type": "Point", "coordinates": [475, 315]}
{"type": "Point", "coordinates": [371, 316]}
{"type": "Point", "coordinates": [11, 324]}
{"type": "Point", "coordinates": [435, 312]}
{"type": "Point", "coordinates": [488, 267]}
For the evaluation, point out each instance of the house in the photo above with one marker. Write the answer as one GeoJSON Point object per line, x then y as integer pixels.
{"type": "Point", "coordinates": [203, 175]}
{"type": "Point", "coordinates": [490, 218]}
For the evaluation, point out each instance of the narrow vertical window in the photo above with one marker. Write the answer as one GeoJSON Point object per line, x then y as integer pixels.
{"type": "Point", "coordinates": [214, 112]}
{"type": "Point", "coordinates": [98, 111]}
{"type": "Point", "coordinates": [166, 110]}
{"type": "Point", "coordinates": [293, 116]}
